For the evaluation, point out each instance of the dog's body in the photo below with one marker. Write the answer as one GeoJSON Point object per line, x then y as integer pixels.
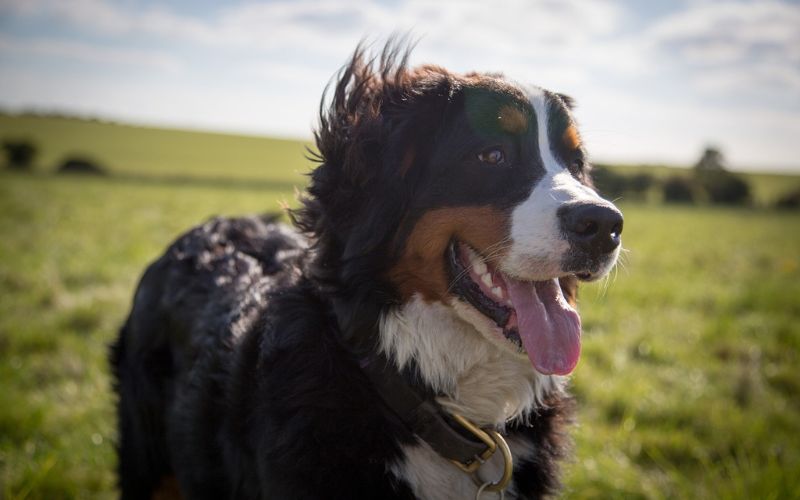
{"type": "Point", "coordinates": [440, 243]}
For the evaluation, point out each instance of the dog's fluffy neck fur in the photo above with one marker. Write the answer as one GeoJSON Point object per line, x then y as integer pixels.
{"type": "Point", "coordinates": [474, 378]}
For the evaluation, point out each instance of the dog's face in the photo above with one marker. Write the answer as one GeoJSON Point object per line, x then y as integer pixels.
{"type": "Point", "coordinates": [503, 221]}
{"type": "Point", "coordinates": [467, 191]}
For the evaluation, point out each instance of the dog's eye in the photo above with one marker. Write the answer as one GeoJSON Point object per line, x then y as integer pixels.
{"type": "Point", "coordinates": [492, 156]}
{"type": "Point", "coordinates": [578, 164]}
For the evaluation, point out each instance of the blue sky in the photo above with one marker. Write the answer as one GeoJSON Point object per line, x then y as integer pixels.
{"type": "Point", "coordinates": [655, 81]}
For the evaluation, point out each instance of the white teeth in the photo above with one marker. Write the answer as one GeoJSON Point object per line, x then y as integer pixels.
{"type": "Point", "coordinates": [487, 279]}
{"type": "Point", "coordinates": [479, 267]}
{"type": "Point", "coordinates": [497, 292]}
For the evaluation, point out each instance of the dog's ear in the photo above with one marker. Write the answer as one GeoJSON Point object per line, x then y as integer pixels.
{"type": "Point", "coordinates": [569, 286]}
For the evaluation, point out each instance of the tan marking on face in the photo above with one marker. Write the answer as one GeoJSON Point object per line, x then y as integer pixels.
{"type": "Point", "coordinates": [422, 267]}
{"type": "Point", "coordinates": [512, 119]}
{"type": "Point", "coordinates": [571, 138]}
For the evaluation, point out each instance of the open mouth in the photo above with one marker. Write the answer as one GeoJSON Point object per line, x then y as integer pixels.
{"type": "Point", "coordinates": [532, 315]}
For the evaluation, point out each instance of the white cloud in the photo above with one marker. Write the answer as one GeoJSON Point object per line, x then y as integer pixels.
{"type": "Point", "coordinates": [99, 14]}
{"type": "Point", "coordinates": [743, 23]}
{"type": "Point", "coordinates": [758, 78]}
{"type": "Point", "coordinates": [723, 44]}
{"type": "Point", "coordinates": [59, 49]}
{"type": "Point", "coordinates": [517, 25]}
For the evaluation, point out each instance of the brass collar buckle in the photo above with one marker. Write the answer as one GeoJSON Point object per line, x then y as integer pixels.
{"type": "Point", "coordinates": [493, 441]}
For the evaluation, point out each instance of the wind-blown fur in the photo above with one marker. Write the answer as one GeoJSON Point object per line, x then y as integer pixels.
{"type": "Point", "coordinates": [239, 369]}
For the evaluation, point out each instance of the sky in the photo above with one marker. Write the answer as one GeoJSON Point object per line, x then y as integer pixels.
{"type": "Point", "coordinates": [654, 81]}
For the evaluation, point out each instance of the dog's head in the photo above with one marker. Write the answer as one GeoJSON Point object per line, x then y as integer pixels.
{"type": "Point", "coordinates": [472, 191]}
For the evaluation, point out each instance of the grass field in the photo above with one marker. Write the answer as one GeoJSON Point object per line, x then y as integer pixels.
{"type": "Point", "coordinates": [689, 384]}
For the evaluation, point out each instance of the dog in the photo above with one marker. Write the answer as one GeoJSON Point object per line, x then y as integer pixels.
{"type": "Point", "coordinates": [409, 337]}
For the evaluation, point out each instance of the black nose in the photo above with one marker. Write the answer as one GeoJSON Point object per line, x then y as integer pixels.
{"type": "Point", "coordinates": [596, 227]}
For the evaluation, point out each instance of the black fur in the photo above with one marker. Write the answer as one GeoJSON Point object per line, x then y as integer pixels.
{"type": "Point", "coordinates": [238, 368]}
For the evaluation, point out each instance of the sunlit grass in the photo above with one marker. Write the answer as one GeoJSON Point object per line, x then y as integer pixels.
{"type": "Point", "coordinates": [71, 253]}
{"type": "Point", "coordinates": [686, 381]}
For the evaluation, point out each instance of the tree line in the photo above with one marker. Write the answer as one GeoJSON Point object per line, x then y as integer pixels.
{"type": "Point", "coordinates": [708, 181]}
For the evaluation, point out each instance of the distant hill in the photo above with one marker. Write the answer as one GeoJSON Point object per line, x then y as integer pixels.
{"type": "Point", "coordinates": [150, 151]}
{"type": "Point", "coordinates": [159, 151]}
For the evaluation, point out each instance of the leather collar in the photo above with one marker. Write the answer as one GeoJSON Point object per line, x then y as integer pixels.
{"type": "Point", "coordinates": [423, 416]}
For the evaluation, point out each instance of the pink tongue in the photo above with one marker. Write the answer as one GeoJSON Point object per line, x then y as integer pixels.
{"type": "Point", "coordinates": [549, 328]}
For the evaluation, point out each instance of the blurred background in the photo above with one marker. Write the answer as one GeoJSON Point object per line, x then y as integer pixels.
{"type": "Point", "coordinates": [125, 122]}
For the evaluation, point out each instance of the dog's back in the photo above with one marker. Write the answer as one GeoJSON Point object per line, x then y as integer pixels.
{"type": "Point", "coordinates": [208, 288]}
{"type": "Point", "coordinates": [232, 381]}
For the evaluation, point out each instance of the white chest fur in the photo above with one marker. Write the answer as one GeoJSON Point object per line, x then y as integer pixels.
{"type": "Point", "coordinates": [483, 382]}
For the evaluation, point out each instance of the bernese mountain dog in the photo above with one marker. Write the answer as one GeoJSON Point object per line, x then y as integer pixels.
{"type": "Point", "coordinates": [409, 337]}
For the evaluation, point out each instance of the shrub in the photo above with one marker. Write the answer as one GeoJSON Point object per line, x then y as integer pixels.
{"type": "Point", "coordinates": [20, 153]}
{"type": "Point", "coordinates": [80, 165]}
{"type": "Point", "coordinates": [725, 188]}
{"type": "Point", "coordinates": [609, 183]}
{"type": "Point", "coordinates": [789, 201]}
{"type": "Point", "coordinates": [640, 184]}
{"type": "Point", "coordinates": [678, 189]}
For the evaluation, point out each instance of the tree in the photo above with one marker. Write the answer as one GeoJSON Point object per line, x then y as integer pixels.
{"type": "Point", "coordinates": [711, 160]}
{"type": "Point", "coordinates": [720, 185]}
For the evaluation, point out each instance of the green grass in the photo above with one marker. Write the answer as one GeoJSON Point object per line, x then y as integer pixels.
{"type": "Point", "coordinates": [71, 253]}
{"type": "Point", "coordinates": [689, 384]}
{"type": "Point", "coordinates": [688, 387]}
